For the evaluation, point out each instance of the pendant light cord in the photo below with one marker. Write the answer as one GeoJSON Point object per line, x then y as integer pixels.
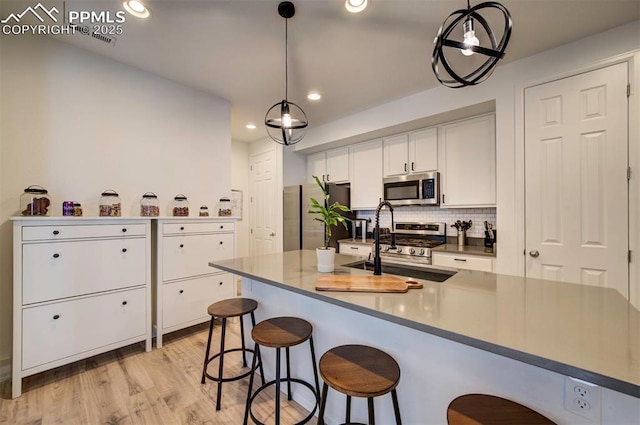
{"type": "Point", "coordinates": [286, 59]}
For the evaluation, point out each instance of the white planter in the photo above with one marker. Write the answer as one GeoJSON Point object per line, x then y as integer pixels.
{"type": "Point", "coordinates": [326, 259]}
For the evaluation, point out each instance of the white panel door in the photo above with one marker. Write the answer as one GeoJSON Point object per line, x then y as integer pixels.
{"type": "Point", "coordinates": [423, 150]}
{"type": "Point", "coordinates": [366, 179]}
{"type": "Point", "coordinates": [317, 166]}
{"type": "Point", "coordinates": [396, 155]}
{"type": "Point", "coordinates": [263, 194]}
{"type": "Point", "coordinates": [576, 179]}
{"type": "Point", "coordinates": [338, 165]}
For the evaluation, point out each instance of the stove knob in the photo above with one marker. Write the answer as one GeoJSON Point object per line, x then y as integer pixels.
{"type": "Point", "coordinates": [412, 251]}
{"type": "Point", "coordinates": [422, 251]}
{"type": "Point", "coordinates": [385, 248]}
{"type": "Point", "coordinates": [399, 250]}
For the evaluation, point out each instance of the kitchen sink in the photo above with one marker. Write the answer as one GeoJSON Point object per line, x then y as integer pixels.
{"type": "Point", "coordinates": [434, 275]}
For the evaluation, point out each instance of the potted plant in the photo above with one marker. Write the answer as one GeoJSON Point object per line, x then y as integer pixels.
{"type": "Point", "coordinates": [329, 215]}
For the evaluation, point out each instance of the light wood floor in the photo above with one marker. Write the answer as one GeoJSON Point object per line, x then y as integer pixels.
{"type": "Point", "coordinates": [130, 386]}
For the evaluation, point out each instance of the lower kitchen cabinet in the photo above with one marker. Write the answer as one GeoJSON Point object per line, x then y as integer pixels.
{"type": "Point", "coordinates": [461, 261]}
{"type": "Point", "coordinates": [81, 287]}
{"type": "Point", "coordinates": [355, 248]}
{"type": "Point", "coordinates": [185, 284]}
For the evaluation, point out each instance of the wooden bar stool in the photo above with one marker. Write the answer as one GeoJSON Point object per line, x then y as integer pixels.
{"type": "Point", "coordinates": [278, 333]}
{"type": "Point", "coordinates": [483, 409]}
{"type": "Point", "coordinates": [233, 307]}
{"type": "Point", "coordinates": [359, 371]}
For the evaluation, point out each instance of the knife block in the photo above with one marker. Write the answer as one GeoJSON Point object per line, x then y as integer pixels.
{"type": "Point", "coordinates": [488, 242]}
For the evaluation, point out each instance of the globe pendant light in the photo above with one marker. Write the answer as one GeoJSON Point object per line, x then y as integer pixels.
{"type": "Point", "coordinates": [468, 46]}
{"type": "Point", "coordinates": [285, 121]}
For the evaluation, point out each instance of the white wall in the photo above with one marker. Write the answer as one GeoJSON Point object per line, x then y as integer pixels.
{"type": "Point", "coordinates": [240, 181]}
{"type": "Point", "coordinates": [77, 124]}
{"type": "Point", "coordinates": [505, 87]}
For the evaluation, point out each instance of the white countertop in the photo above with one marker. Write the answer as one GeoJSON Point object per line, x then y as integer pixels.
{"type": "Point", "coordinates": [586, 332]}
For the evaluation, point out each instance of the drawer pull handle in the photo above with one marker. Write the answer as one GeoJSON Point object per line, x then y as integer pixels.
{"type": "Point", "coordinates": [182, 228]}
{"type": "Point", "coordinates": [124, 249]}
{"type": "Point", "coordinates": [56, 255]}
{"type": "Point", "coordinates": [56, 317]}
{"type": "Point", "coordinates": [221, 242]}
{"type": "Point", "coordinates": [56, 232]}
{"type": "Point", "coordinates": [182, 291]}
{"type": "Point", "coordinates": [222, 227]}
{"type": "Point", "coordinates": [124, 303]}
{"type": "Point", "coordinates": [124, 230]}
{"type": "Point", "coordinates": [220, 283]}
{"type": "Point", "coordinates": [181, 245]}
{"type": "Point", "coordinates": [460, 259]}
{"type": "Point", "coordinates": [353, 247]}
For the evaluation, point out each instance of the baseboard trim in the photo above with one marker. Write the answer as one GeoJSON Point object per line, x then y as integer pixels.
{"type": "Point", "coordinates": [5, 369]}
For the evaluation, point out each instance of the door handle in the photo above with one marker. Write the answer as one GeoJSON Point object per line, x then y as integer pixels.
{"type": "Point", "coordinates": [272, 234]}
{"type": "Point", "coordinates": [405, 167]}
{"type": "Point", "coordinates": [412, 166]}
{"type": "Point", "coordinates": [534, 253]}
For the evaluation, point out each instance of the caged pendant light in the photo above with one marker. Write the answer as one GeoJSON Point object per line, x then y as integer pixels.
{"type": "Point", "coordinates": [463, 22]}
{"type": "Point", "coordinates": [285, 121]}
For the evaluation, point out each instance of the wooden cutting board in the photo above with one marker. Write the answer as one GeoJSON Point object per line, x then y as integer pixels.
{"type": "Point", "coordinates": [349, 283]}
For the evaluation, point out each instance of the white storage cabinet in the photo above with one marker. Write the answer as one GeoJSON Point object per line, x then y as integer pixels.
{"type": "Point", "coordinates": [366, 179]}
{"type": "Point", "coordinates": [81, 287]}
{"type": "Point", "coordinates": [331, 166]}
{"type": "Point", "coordinates": [462, 261]}
{"type": "Point", "coordinates": [414, 152]}
{"type": "Point", "coordinates": [185, 284]}
{"type": "Point", "coordinates": [355, 249]}
{"type": "Point", "coordinates": [467, 163]}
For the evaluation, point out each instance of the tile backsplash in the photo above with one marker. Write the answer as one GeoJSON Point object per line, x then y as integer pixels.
{"type": "Point", "coordinates": [447, 215]}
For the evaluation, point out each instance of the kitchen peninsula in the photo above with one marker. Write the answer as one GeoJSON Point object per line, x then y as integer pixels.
{"type": "Point", "coordinates": [477, 332]}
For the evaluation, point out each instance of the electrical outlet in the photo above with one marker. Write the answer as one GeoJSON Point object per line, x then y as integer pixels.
{"type": "Point", "coordinates": [583, 398]}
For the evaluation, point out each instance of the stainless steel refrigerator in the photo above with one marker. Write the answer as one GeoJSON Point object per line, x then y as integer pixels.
{"type": "Point", "coordinates": [301, 231]}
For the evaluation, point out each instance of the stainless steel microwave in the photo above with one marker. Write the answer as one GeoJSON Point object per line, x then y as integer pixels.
{"type": "Point", "coordinates": [413, 189]}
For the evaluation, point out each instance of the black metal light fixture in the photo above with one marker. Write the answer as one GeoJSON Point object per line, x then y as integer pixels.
{"type": "Point", "coordinates": [286, 122]}
{"type": "Point", "coordinates": [463, 22]}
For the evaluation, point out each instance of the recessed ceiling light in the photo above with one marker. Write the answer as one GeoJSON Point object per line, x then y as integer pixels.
{"type": "Point", "coordinates": [251, 126]}
{"type": "Point", "coordinates": [136, 8]}
{"type": "Point", "coordinates": [355, 6]}
{"type": "Point", "coordinates": [314, 95]}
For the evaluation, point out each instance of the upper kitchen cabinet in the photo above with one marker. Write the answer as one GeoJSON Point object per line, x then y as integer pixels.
{"type": "Point", "coordinates": [366, 181]}
{"type": "Point", "coordinates": [330, 166]}
{"type": "Point", "coordinates": [467, 163]}
{"type": "Point", "coordinates": [414, 152]}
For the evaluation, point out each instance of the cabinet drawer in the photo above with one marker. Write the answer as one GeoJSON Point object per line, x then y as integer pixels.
{"type": "Point", "coordinates": [189, 255]}
{"type": "Point", "coordinates": [355, 249]}
{"type": "Point", "coordinates": [64, 269]}
{"type": "Point", "coordinates": [187, 301]}
{"type": "Point", "coordinates": [467, 262]}
{"type": "Point", "coordinates": [36, 233]}
{"type": "Point", "coordinates": [55, 331]}
{"type": "Point", "coordinates": [185, 228]}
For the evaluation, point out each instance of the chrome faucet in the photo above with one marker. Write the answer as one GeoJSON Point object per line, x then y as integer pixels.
{"type": "Point", "coordinates": [377, 263]}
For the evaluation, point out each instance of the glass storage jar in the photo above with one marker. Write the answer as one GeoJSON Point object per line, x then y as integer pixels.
{"type": "Point", "coordinates": [110, 205]}
{"type": "Point", "coordinates": [180, 206]}
{"type": "Point", "coordinates": [35, 201]}
{"type": "Point", "coordinates": [77, 209]}
{"type": "Point", "coordinates": [149, 206]}
{"type": "Point", "coordinates": [224, 207]}
{"type": "Point", "coordinates": [204, 211]}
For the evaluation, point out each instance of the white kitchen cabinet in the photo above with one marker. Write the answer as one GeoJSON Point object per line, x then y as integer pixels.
{"type": "Point", "coordinates": [331, 166]}
{"type": "Point", "coordinates": [467, 163]}
{"type": "Point", "coordinates": [414, 152]}
{"type": "Point", "coordinates": [462, 261]}
{"type": "Point", "coordinates": [366, 179]}
{"type": "Point", "coordinates": [81, 286]}
{"type": "Point", "coordinates": [355, 249]}
{"type": "Point", "coordinates": [185, 284]}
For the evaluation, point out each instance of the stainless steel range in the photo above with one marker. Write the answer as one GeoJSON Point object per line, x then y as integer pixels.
{"type": "Point", "coordinates": [413, 242]}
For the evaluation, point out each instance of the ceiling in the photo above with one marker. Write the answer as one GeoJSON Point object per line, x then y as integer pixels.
{"type": "Point", "coordinates": [235, 48]}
